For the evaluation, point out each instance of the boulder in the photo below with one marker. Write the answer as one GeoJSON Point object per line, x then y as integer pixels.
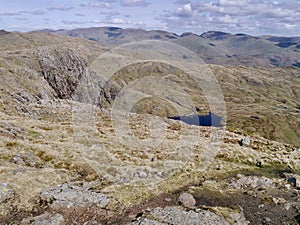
{"type": "Point", "coordinates": [187, 200]}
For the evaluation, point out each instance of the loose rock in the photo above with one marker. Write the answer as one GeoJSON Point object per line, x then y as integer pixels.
{"type": "Point", "coordinates": [244, 141]}
{"type": "Point", "coordinates": [187, 200]}
{"type": "Point", "coordinates": [143, 174]}
{"type": "Point", "coordinates": [5, 192]}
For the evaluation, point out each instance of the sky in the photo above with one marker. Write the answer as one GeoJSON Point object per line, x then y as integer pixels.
{"type": "Point", "coordinates": [254, 17]}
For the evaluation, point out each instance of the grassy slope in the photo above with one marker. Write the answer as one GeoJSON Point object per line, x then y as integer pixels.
{"type": "Point", "coordinates": [259, 101]}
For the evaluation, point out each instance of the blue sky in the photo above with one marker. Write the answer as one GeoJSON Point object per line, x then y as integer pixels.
{"type": "Point", "coordinates": [256, 17]}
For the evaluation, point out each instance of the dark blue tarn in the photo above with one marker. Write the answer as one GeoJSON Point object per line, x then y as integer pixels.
{"type": "Point", "coordinates": [208, 120]}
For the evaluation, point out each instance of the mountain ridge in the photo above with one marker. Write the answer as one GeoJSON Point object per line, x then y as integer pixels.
{"type": "Point", "coordinates": [214, 47]}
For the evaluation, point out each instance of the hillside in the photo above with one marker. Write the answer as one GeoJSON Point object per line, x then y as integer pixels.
{"type": "Point", "coordinates": [79, 145]}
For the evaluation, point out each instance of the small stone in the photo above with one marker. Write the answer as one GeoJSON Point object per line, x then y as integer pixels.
{"type": "Point", "coordinates": [287, 206]}
{"type": "Point", "coordinates": [218, 167]}
{"type": "Point", "coordinates": [159, 174]}
{"type": "Point", "coordinates": [261, 206]}
{"type": "Point", "coordinates": [268, 219]}
{"type": "Point", "coordinates": [287, 186]}
{"type": "Point", "coordinates": [279, 201]}
{"type": "Point", "coordinates": [244, 141]}
{"type": "Point", "coordinates": [143, 174]}
{"type": "Point", "coordinates": [5, 192]}
{"type": "Point", "coordinates": [250, 160]}
{"type": "Point", "coordinates": [239, 175]}
{"type": "Point", "coordinates": [187, 200]}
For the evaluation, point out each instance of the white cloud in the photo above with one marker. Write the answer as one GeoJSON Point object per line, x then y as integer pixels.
{"type": "Point", "coordinates": [185, 11]}
{"type": "Point", "coordinates": [110, 21]}
{"type": "Point", "coordinates": [60, 8]}
{"type": "Point", "coordinates": [228, 19]}
{"type": "Point", "coordinates": [72, 22]}
{"type": "Point", "coordinates": [180, 2]}
{"type": "Point", "coordinates": [22, 19]}
{"type": "Point", "coordinates": [139, 3]}
{"type": "Point", "coordinates": [117, 21]}
{"type": "Point", "coordinates": [290, 26]}
{"type": "Point", "coordinates": [261, 16]}
{"type": "Point", "coordinates": [110, 13]}
{"type": "Point", "coordinates": [80, 14]}
{"type": "Point", "coordinates": [38, 12]}
{"type": "Point", "coordinates": [104, 5]}
{"type": "Point", "coordinates": [11, 13]}
{"type": "Point", "coordinates": [109, 1]}
{"type": "Point", "coordinates": [232, 2]}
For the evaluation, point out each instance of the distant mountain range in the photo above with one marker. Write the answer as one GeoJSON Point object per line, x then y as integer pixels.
{"type": "Point", "coordinates": [214, 47]}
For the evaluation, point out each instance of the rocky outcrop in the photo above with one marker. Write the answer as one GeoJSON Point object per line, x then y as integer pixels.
{"type": "Point", "coordinates": [67, 73]}
{"type": "Point", "coordinates": [62, 68]}
{"type": "Point", "coordinates": [69, 195]}
{"type": "Point", "coordinates": [96, 90]}
{"type": "Point", "coordinates": [73, 204]}
{"type": "Point", "coordinates": [45, 219]}
{"type": "Point", "coordinates": [177, 215]}
{"type": "Point", "coordinates": [253, 182]}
